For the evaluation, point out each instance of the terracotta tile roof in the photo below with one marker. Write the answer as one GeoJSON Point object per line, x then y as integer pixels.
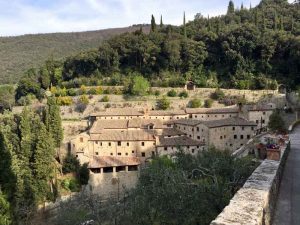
{"type": "Point", "coordinates": [120, 112]}
{"type": "Point", "coordinates": [111, 161]}
{"type": "Point", "coordinates": [232, 121]}
{"type": "Point", "coordinates": [101, 125]}
{"type": "Point", "coordinates": [172, 132]}
{"type": "Point", "coordinates": [126, 135]}
{"type": "Point", "coordinates": [213, 110]}
{"type": "Point", "coordinates": [178, 141]}
{"type": "Point", "coordinates": [166, 113]}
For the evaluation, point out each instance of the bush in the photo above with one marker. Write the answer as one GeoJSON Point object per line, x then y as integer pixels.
{"type": "Point", "coordinates": [84, 174]}
{"type": "Point", "coordinates": [92, 91]}
{"type": "Point", "coordinates": [163, 103]}
{"type": "Point", "coordinates": [138, 86]}
{"type": "Point", "coordinates": [72, 92]}
{"type": "Point", "coordinates": [195, 103]}
{"type": "Point", "coordinates": [183, 94]}
{"type": "Point", "coordinates": [99, 90]}
{"type": "Point", "coordinates": [26, 100]}
{"type": "Point", "coordinates": [65, 101]}
{"type": "Point", "coordinates": [105, 99]}
{"type": "Point", "coordinates": [157, 93]}
{"type": "Point", "coordinates": [82, 90]}
{"type": "Point", "coordinates": [172, 93]}
{"type": "Point", "coordinates": [218, 94]}
{"type": "Point", "coordinates": [208, 103]}
{"type": "Point", "coordinates": [84, 99]}
{"type": "Point", "coordinates": [70, 164]}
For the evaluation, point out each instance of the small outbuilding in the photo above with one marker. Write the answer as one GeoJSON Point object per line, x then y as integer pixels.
{"type": "Point", "coordinates": [190, 86]}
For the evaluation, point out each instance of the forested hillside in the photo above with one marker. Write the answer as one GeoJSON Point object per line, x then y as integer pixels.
{"type": "Point", "coordinates": [246, 48]}
{"type": "Point", "coordinates": [20, 53]}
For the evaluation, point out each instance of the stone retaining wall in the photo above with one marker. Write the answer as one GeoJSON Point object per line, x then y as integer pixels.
{"type": "Point", "coordinates": [254, 203]}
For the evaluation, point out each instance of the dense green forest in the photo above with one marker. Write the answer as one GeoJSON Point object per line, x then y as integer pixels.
{"type": "Point", "coordinates": [20, 53]}
{"type": "Point", "coordinates": [246, 48]}
{"type": "Point", "coordinates": [190, 190]}
{"type": "Point", "coordinates": [27, 161]}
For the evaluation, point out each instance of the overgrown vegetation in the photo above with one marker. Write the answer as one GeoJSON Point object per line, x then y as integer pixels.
{"type": "Point", "coordinates": [27, 160]}
{"type": "Point", "coordinates": [190, 190]}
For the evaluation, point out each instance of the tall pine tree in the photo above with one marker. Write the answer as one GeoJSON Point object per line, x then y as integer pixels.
{"type": "Point", "coordinates": [230, 9]}
{"type": "Point", "coordinates": [153, 24]}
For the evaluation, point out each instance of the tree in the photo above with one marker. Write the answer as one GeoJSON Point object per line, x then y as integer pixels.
{"type": "Point", "coordinates": [138, 86]}
{"type": "Point", "coordinates": [230, 9]}
{"type": "Point", "coordinates": [153, 24]}
{"type": "Point", "coordinates": [7, 96]}
{"type": "Point", "coordinates": [172, 93]}
{"type": "Point", "coordinates": [5, 217]}
{"type": "Point", "coordinates": [163, 103]}
{"type": "Point", "coordinates": [276, 123]}
{"type": "Point", "coordinates": [161, 22]}
{"type": "Point", "coordinates": [84, 174]}
{"type": "Point", "coordinates": [70, 164]}
{"type": "Point", "coordinates": [184, 26]}
{"type": "Point", "coordinates": [52, 121]}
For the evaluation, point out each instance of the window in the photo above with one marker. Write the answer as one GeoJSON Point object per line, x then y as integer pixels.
{"type": "Point", "coordinates": [222, 115]}
{"type": "Point", "coordinates": [230, 145]}
{"type": "Point", "coordinates": [166, 148]}
{"type": "Point", "coordinates": [263, 121]}
{"type": "Point", "coordinates": [143, 143]}
{"type": "Point", "coordinates": [119, 143]}
{"type": "Point", "coordinates": [264, 113]}
{"type": "Point", "coordinates": [252, 128]}
{"type": "Point", "coordinates": [97, 153]}
{"type": "Point", "coordinates": [248, 136]}
{"type": "Point", "coordinates": [198, 129]}
{"type": "Point", "coordinates": [190, 135]}
{"type": "Point", "coordinates": [243, 128]}
{"type": "Point", "coordinates": [193, 150]}
{"type": "Point", "coordinates": [127, 143]}
{"type": "Point", "coordinates": [132, 152]}
{"type": "Point", "coordinates": [224, 136]}
{"type": "Point", "coordinates": [257, 121]}
{"type": "Point", "coordinates": [143, 154]}
{"type": "Point", "coordinates": [126, 153]}
{"type": "Point", "coordinates": [221, 137]}
{"type": "Point", "coordinates": [119, 153]}
{"type": "Point", "coordinates": [198, 137]}
{"type": "Point", "coordinates": [233, 128]}
{"type": "Point", "coordinates": [120, 168]}
{"type": "Point", "coordinates": [81, 139]}
{"type": "Point", "coordinates": [108, 170]}
{"type": "Point", "coordinates": [96, 142]}
{"type": "Point", "coordinates": [242, 136]}
{"type": "Point", "coordinates": [132, 168]}
{"type": "Point", "coordinates": [109, 144]}
{"type": "Point", "coordinates": [111, 154]}
{"type": "Point", "coordinates": [235, 136]}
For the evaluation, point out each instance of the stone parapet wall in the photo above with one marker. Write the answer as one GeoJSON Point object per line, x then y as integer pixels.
{"type": "Point", "coordinates": [254, 203]}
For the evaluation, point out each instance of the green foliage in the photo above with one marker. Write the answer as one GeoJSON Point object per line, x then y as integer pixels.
{"type": "Point", "coordinates": [163, 103]}
{"type": "Point", "coordinates": [172, 93]}
{"type": "Point", "coordinates": [276, 123]}
{"type": "Point", "coordinates": [83, 99]}
{"type": "Point", "coordinates": [208, 103]}
{"type": "Point", "coordinates": [70, 164]}
{"type": "Point", "coordinates": [195, 103]}
{"type": "Point", "coordinates": [71, 184]}
{"type": "Point", "coordinates": [105, 99]}
{"type": "Point", "coordinates": [84, 174]}
{"type": "Point", "coordinates": [157, 93]}
{"type": "Point", "coordinates": [183, 94]}
{"type": "Point", "coordinates": [218, 94]}
{"type": "Point", "coordinates": [72, 92]}
{"type": "Point", "coordinates": [138, 86]}
{"type": "Point", "coordinates": [7, 96]}
{"type": "Point", "coordinates": [64, 101]}
{"type": "Point", "coordinates": [5, 216]}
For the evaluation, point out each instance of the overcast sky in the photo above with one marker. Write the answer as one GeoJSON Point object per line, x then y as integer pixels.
{"type": "Point", "coordinates": [45, 16]}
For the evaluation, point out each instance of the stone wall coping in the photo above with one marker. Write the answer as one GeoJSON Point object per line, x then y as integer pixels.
{"type": "Point", "coordinates": [252, 204]}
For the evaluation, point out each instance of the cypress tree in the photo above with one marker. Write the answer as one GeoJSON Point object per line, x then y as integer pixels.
{"type": "Point", "coordinates": [161, 22]}
{"type": "Point", "coordinates": [52, 121]}
{"type": "Point", "coordinates": [242, 6]}
{"type": "Point", "coordinates": [153, 24]}
{"type": "Point", "coordinates": [230, 9]}
{"type": "Point", "coordinates": [43, 163]}
{"type": "Point", "coordinates": [275, 21]}
{"type": "Point", "coordinates": [26, 137]}
{"type": "Point", "coordinates": [281, 25]}
{"type": "Point", "coordinates": [5, 216]}
{"type": "Point", "coordinates": [184, 26]}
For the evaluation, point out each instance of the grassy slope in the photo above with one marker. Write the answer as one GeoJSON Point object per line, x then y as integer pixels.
{"type": "Point", "coordinates": [17, 54]}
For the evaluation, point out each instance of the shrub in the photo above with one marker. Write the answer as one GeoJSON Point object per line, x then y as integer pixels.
{"type": "Point", "coordinates": [83, 90]}
{"type": "Point", "coordinates": [26, 100]}
{"type": "Point", "coordinates": [208, 103]}
{"type": "Point", "coordinates": [218, 94]}
{"type": "Point", "coordinates": [107, 91]}
{"type": "Point", "coordinates": [70, 164]}
{"type": "Point", "coordinates": [84, 99]}
{"type": "Point", "coordinates": [163, 103]}
{"type": "Point", "coordinates": [183, 94]}
{"type": "Point", "coordinates": [64, 100]}
{"type": "Point", "coordinates": [84, 174]}
{"type": "Point", "coordinates": [92, 91]}
{"type": "Point", "coordinates": [195, 103]}
{"type": "Point", "coordinates": [105, 99]}
{"type": "Point", "coordinates": [157, 93]}
{"type": "Point", "coordinates": [99, 90]}
{"type": "Point", "coordinates": [72, 92]}
{"type": "Point", "coordinates": [172, 93]}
